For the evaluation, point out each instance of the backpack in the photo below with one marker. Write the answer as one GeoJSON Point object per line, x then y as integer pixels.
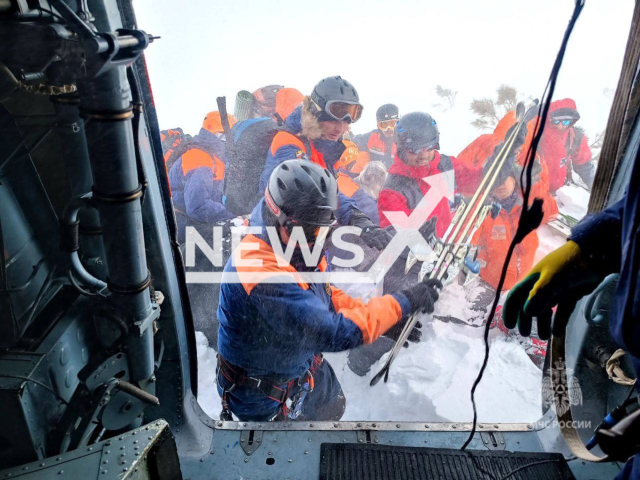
{"type": "Point", "coordinates": [250, 142]}
{"type": "Point", "coordinates": [171, 136]}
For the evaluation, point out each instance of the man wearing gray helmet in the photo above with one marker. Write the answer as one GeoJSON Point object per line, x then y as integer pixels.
{"type": "Point", "coordinates": [275, 322]}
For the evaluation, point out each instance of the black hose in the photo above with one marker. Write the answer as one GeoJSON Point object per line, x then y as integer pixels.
{"type": "Point", "coordinates": [530, 217]}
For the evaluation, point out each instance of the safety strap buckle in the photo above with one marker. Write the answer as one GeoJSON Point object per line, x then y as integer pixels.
{"type": "Point", "coordinates": [257, 380]}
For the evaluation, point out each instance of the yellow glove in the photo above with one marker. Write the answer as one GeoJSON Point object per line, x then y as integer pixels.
{"type": "Point", "coordinates": [561, 278]}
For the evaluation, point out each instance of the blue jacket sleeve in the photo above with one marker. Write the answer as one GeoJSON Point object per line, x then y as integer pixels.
{"type": "Point", "coordinates": [367, 205]}
{"type": "Point", "coordinates": [202, 197]}
{"type": "Point", "coordinates": [600, 237]}
{"type": "Point", "coordinates": [346, 206]}
{"type": "Point", "coordinates": [288, 308]}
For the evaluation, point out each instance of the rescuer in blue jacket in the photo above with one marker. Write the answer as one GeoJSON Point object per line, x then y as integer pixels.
{"type": "Point", "coordinates": [275, 323]}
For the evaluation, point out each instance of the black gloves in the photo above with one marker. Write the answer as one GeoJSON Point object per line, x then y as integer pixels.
{"type": "Point", "coordinates": [372, 234]}
{"type": "Point", "coordinates": [457, 200]}
{"type": "Point", "coordinates": [394, 332]}
{"type": "Point", "coordinates": [428, 229]}
{"type": "Point", "coordinates": [422, 298]}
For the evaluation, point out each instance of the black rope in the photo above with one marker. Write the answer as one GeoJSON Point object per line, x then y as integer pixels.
{"type": "Point", "coordinates": [135, 125]}
{"type": "Point", "coordinates": [530, 217]}
{"type": "Point", "coordinates": [70, 236]}
{"type": "Point", "coordinates": [52, 13]}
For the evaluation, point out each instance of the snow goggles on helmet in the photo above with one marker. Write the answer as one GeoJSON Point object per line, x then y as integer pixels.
{"type": "Point", "coordinates": [340, 111]}
{"type": "Point", "coordinates": [566, 122]}
{"type": "Point", "coordinates": [387, 124]}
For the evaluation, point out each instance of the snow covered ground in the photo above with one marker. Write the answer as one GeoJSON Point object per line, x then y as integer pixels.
{"type": "Point", "coordinates": [431, 381]}
{"type": "Point", "coordinates": [573, 201]}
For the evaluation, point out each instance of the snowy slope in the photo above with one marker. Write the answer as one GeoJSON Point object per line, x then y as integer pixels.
{"type": "Point", "coordinates": [431, 381]}
{"type": "Point", "coordinates": [428, 382]}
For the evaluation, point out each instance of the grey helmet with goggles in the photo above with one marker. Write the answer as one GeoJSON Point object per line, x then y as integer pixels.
{"type": "Point", "coordinates": [301, 193]}
{"type": "Point", "coordinates": [334, 99]}
{"type": "Point", "coordinates": [416, 132]}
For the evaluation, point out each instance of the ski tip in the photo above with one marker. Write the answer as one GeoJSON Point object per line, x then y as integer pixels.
{"type": "Point", "coordinates": [384, 372]}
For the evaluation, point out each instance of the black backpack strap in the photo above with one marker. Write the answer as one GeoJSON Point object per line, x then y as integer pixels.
{"type": "Point", "coordinates": [446, 165]}
{"type": "Point", "coordinates": [182, 148]}
{"type": "Point", "coordinates": [573, 145]}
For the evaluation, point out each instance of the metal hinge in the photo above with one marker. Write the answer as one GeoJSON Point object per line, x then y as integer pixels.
{"type": "Point", "coordinates": [493, 440]}
{"type": "Point", "coordinates": [250, 440]}
{"type": "Point", "coordinates": [368, 436]}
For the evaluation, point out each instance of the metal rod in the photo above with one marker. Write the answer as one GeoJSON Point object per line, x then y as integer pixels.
{"type": "Point", "coordinates": [140, 394]}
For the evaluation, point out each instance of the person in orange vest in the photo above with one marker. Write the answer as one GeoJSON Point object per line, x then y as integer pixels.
{"type": "Point", "coordinates": [275, 101]}
{"type": "Point", "coordinates": [196, 179]}
{"type": "Point", "coordinates": [379, 143]}
{"type": "Point", "coordinates": [497, 231]}
{"type": "Point", "coordinates": [471, 162]}
{"type": "Point", "coordinates": [314, 132]}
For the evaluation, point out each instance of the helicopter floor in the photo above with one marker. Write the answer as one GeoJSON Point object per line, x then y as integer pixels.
{"type": "Point", "coordinates": [384, 462]}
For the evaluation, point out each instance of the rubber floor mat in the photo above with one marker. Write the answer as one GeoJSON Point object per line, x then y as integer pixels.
{"type": "Point", "coordinates": [381, 462]}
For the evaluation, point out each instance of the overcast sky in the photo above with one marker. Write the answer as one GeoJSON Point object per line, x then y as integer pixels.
{"type": "Point", "coordinates": [393, 51]}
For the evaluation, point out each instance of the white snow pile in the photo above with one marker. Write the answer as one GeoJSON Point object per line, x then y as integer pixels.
{"type": "Point", "coordinates": [429, 381]}
{"type": "Point", "coordinates": [573, 201]}
{"type": "Point", "coordinates": [456, 301]}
